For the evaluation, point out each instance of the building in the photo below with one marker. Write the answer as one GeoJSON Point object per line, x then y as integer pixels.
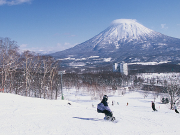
{"type": "Point", "coordinates": [116, 67]}
{"type": "Point", "coordinates": [121, 67]}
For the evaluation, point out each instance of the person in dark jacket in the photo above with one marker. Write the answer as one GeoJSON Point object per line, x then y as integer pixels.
{"type": "Point", "coordinates": [104, 108]}
{"type": "Point", "coordinates": [153, 106]}
{"type": "Point", "coordinates": [175, 108]}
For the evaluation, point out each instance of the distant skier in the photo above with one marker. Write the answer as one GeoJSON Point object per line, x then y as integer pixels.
{"type": "Point", "coordinates": [175, 108]}
{"type": "Point", "coordinates": [104, 108]}
{"type": "Point", "coordinates": [153, 106]}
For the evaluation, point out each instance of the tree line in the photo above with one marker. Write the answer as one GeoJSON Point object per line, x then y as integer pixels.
{"type": "Point", "coordinates": [35, 75]}
{"type": "Point", "coordinates": [27, 73]}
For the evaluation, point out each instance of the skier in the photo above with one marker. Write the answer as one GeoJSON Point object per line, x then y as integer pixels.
{"type": "Point", "coordinates": [104, 108]}
{"type": "Point", "coordinates": [175, 108]}
{"type": "Point", "coordinates": [153, 106]}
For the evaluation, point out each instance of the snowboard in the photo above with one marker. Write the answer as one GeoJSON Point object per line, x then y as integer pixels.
{"type": "Point", "coordinates": [154, 110]}
{"type": "Point", "coordinates": [112, 119]}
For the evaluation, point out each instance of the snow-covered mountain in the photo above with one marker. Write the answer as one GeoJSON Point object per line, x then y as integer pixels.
{"type": "Point", "coordinates": [124, 40]}
{"type": "Point", "coordinates": [123, 31]}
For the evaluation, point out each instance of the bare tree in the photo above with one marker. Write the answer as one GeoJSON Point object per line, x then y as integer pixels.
{"type": "Point", "coordinates": [48, 71]}
{"type": "Point", "coordinates": [173, 90]}
{"type": "Point", "coordinates": [36, 75]}
{"type": "Point", "coordinates": [53, 73]}
{"type": "Point", "coordinates": [8, 61]}
{"type": "Point", "coordinates": [27, 60]}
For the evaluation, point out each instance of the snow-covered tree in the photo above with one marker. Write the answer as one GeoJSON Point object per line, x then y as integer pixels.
{"type": "Point", "coordinates": [173, 89]}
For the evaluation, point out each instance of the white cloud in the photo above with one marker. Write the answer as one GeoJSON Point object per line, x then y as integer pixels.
{"type": "Point", "coordinates": [163, 26]}
{"type": "Point", "coordinates": [2, 2]}
{"type": "Point", "coordinates": [47, 50]}
{"type": "Point", "coordinates": [14, 2]}
{"type": "Point", "coordinates": [23, 45]}
{"type": "Point", "coordinates": [64, 46]}
{"type": "Point", "coordinates": [69, 35]}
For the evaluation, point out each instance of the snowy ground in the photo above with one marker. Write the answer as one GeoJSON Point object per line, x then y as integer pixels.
{"type": "Point", "coordinates": [31, 116]}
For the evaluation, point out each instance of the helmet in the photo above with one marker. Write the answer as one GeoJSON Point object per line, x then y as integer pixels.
{"type": "Point", "coordinates": [105, 97]}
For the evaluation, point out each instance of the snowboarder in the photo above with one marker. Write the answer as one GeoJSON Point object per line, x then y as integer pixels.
{"type": "Point", "coordinates": [153, 106]}
{"type": "Point", "coordinates": [175, 108]}
{"type": "Point", "coordinates": [104, 108]}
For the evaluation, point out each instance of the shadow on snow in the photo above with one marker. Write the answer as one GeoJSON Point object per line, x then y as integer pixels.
{"type": "Point", "coordinates": [92, 119]}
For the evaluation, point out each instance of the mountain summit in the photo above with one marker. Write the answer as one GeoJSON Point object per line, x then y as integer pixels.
{"type": "Point", "coordinates": [123, 31]}
{"type": "Point", "coordinates": [124, 40]}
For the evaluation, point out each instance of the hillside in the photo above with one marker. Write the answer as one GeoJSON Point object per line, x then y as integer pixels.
{"type": "Point", "coordinates": [27, 116]}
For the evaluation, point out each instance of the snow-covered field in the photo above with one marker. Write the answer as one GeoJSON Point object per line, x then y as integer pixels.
{"type": "Point", "coordinates": [31, 116]}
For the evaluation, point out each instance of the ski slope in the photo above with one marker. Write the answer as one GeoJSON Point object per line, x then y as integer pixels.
{"type": "Point", "coordinates": [32, 116]}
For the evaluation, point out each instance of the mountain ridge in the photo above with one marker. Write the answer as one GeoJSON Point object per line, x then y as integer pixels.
{"type": "Point", "coordinates": [124, 40]}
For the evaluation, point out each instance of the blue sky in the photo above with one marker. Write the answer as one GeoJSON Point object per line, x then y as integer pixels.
{"type": "Point", "coordinates": [55, 25]}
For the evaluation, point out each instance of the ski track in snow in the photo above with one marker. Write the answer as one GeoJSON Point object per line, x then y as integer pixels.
{"type": "Point", "coordinates": [31, 116]}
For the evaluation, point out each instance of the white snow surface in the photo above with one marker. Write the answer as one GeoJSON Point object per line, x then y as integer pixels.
{"type": "Point", "coordinates": [32, 116]}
